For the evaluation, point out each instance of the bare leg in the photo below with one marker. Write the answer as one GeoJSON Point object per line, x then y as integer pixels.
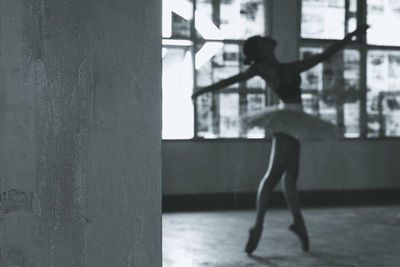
{"type": "Point", "coordinates": [291, 195]}
{"type": "Point", "coordinates": [290, 182]}
{"type": "Point", "coordinates": [277, 162]}
{"type": "Point", "coordinates": [281, 147]}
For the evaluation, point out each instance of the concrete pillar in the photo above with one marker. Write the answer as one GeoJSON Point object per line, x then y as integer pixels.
{"type": "Point", "coordinates": [284, 18]}
{"type": "Point", "coordinates": [80, 133]}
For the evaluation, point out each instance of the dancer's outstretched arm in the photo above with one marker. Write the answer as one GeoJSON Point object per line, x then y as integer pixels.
{"type": "Point", "coordinates": [241, 76]}
{"type": "Point", "coordinates": [303, 65]}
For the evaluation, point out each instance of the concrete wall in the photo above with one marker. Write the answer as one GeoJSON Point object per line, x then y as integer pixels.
{"type": "Point", "coordinates": [284, 21]}
{"type": "Point", "coordinates": [80, 131]}
{"type": "Point", "coordinates": [195, 167]}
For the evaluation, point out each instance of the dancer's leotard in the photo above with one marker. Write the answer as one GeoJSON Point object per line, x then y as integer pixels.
{"type": "Point", "coordinates": [287, 90]}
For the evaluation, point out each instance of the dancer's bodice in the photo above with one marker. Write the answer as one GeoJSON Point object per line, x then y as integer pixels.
{"type": "Point", "coordinates": [285, 85]}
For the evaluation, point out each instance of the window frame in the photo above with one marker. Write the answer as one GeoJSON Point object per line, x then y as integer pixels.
{"type": "Point", "coordinates": [363, 47]}
{"type": "Point", "coordinates": [241, 90]}
{"type": "Point", "coordinates": [360, 45]}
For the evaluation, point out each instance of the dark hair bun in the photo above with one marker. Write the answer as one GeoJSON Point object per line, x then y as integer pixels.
{"type": "Point", "coordinates": [250, 47]}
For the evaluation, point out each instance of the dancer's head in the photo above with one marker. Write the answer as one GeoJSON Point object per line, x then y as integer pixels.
{"type": "Point", "coordinates": [258, 49]}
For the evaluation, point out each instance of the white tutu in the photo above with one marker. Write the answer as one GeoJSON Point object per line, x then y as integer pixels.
{"type": "Point", "coordinates": [292, 120]}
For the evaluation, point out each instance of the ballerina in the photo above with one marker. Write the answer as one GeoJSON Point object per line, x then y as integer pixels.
{"type": "Point", "coordinates": [287, 123]}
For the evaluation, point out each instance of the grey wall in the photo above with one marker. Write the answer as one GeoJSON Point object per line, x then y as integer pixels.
{"type": "Point", "coordinates": [194, 167]}
{"type": "Point", "coordinates": [284, 21]}
{"type": "Point", "coordinates": [80, 131]}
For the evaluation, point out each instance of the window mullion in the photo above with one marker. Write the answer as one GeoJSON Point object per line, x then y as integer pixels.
{"type": "Point", "coordinates": [346, 16]}
{"type": "Point", "coordinates": [194, 46]}
{"type": "Point", "coordinates": [268, 31]}
{"type": "Point", "coordinates": [215, 102]}
{"type": "Point", "coordinates": [361, 20]}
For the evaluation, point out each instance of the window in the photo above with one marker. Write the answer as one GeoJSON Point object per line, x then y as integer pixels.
{"type": "Point", "coordinates": [383, 95]}
{"type": "Point", "coordinates": [359, 88]}
{"type": "Point", "coordinates": [331, 90]}
{"type": "Point", "coordinates": [202, 43]}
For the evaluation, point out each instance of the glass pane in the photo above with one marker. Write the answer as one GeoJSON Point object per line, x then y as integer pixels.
{"type": "Point", "coordinates": [382, 16]}
{"type": "Point", "coordinates": [210, 108]}
{"type": "Point", "coordinates": [241, 19]}
{"type": "Point", "coordinates": [205, 8]}
{"type": "Point", "coordinates": [255, 102]}
{"type": "Point", "coordinates": [255, 83]}
{"type": "Point", "coordinates": [207, 20]}
{"type": "Point", "coordinates": [331, 90]}
{"type": "Point", "coordinates": [177, 87]}
{"type": "Point", "coordinates": [383, 90]}
{"type": "Point", "coordinates": [205, 122]}
{"type": "Point", "coordinates": [229, 115]}
{"type": "Point", "coordinates": [176, 18]}
{"type": "Point", "coordinates": [223, 64]}
{"type": "Point", "coordinates": [311, 80]}
{"type": "Point", "coordinates": [226, 63]}
{"type": "Point", "coordinates": [310, 103]}
{"type": "Point", "coordinates": [351, 93]}
{"type": "Point", "coordinates": [218, 114]}
{"type": "Point", "coordinates": [234, 19]}
{"type": "Point", "coordinates": [323, 19]}
{"type": "Point", "coordinates": [390, 117]}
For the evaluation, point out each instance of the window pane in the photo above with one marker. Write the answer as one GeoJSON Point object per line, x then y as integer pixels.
{"type": "Point", "coordinates": [223, 64]}
{"type": "Point", "coordinates": [205, 122]}
{"type": "Point", "coordinates": [310, 103]}
{"type": "Point", "coordinates": [177, 86]}
{"type": "Point", "coordinates": [226, 63]}
{"type": "Point", "coordinates": [331, 90]}
{"type": "Point", "coordinates": [390, 116]}
{"type": "Point", "coordinates": [383, 90]}
{"type": "Point", "coordinates": [212, 118]}
{"type": "Point", "coordinates": [382, 16]}
{"type": "Point", "coordinates": [229, 115]}
{"type": "Point", "coordinates": [241, 19]}
{"type": "Point", "coordinates": [351, 93]}
{"type": "Point", "coordinates": [176, 18]}
{"type": "Point", "coordinates": [207, 20]}
{"type": "Point", "coordinates": [255, 83]}
{"type": "Point", "coordinates": [323, 19]}
{"type": "Point", "coordinates": [311, 79]}
{"type": "Point", "coordinates": [235, 19]}
{"type": "Point", "coordinates": [218, 114]}
{"type": "Point", "coordinates": [255, 102]}
{"type": "Point", "coordinates": [215, 21]}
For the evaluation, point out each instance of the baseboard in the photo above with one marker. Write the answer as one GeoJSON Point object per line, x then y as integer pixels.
{"type": "Point", "coordinates": [321, 198]}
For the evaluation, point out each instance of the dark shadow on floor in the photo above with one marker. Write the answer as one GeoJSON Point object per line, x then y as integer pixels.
{"type": "Point", "coordinates": [333, 259]}
{"type": "Point", "coordinates": [269, 261]}
{"type": "Point", "coordinates": [321, 258]}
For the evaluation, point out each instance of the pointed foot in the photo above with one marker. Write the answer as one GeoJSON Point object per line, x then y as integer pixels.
{"type": "Point", "coordinates": [301, 233]}
{"type": "Point", "coordinates": [254, 238]}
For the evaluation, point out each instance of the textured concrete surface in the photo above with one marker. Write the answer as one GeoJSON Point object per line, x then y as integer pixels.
{"type": "Point", "coordinates": [80, 130]}
{"type": "Point", "coordinates": [356, 236]}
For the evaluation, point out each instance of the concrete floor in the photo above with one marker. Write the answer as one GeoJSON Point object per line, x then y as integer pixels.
{"type": "Point", "coordinates": [354, 236]}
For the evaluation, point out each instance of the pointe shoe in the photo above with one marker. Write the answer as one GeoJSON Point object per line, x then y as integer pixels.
{"type": "Point", "coordinates": [301, 233]}
{"type": "Point", "coordinates": [254, 238]}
